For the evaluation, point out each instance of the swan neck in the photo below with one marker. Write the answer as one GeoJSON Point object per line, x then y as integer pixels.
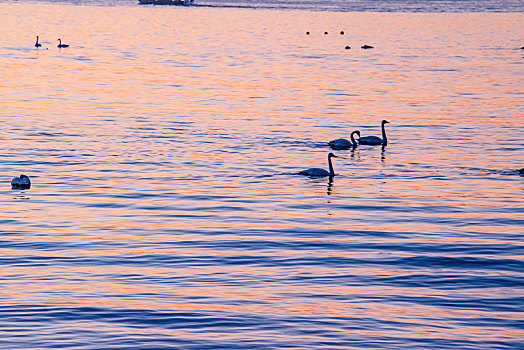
{"type": "Point", "coordinates": [331, 171]}
{"type": "Point", "coordinates": [384, 138]}
{"type": "Point", "coordinates": [353, 139]}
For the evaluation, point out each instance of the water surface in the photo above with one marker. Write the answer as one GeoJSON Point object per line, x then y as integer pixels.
{"type": "Point", "coordinates": [166, 212]}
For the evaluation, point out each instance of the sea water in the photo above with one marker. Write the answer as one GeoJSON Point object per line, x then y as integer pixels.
{"type": "Point", "coordinates": [166, 211]}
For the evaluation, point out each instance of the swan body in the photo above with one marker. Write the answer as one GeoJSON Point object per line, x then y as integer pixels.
{"type": "Point", "coordinates": [319, 172]}
{"type": "Point", "coordinates": [366, 47]}
{"type": "Point", "coordinates": [343, 143]}
{"type": "Point", "coordinates": [375, 140]}
{"type": "Point", "coordinates": [521, 171]}
{"type": "Point", "coordinates": [21, 182]}
{"type": "Point", "coordinates": [60, 43]}
{"type": "Point", "coordinates": [37, 44]}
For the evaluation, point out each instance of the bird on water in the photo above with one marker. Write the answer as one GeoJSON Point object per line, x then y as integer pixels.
{"type": "Point", "coordinates": [366, 46]}
{"type": "Point", "coordinates": [60, 44]}
{"type": "Point", "coordinates": [375, 140]}
{"type": "Point", "coordinates": [319, 172]}
{"type": "Point", "coordinates": [343, 143]}
{"type": "Point", "coordinates": [21, 182]}
{"type": "Point", "coordinates": [37, 44]}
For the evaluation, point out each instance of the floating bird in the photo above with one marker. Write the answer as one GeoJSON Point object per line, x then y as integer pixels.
{"type": "Point", "coordinates": [375, 140]}
{"type": "Point", "coordinates": [343, 143]}
{"type": "Point", "coordinates": [325, 33]}
{"type": "Point", "coordinates": [61, 45]}
{"type": "Point", "coordinates": [37, 44]}
{"type": "Point", "coordinates": [341, 32]}
{"type": "Point", "coordinates": [348, 47]}
{"type": "Point", "coordinates": [366, 47]}
{"type": "Point", "coordinates": [319, 172]}
{"type": "Point", "coordinates": [21, 182]}
{"type": "Point", "coordinates": [307, 33]}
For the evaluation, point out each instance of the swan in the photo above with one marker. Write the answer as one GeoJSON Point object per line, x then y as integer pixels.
{"type": "Point", "coordinates": [37, 44]}
{"type": "Point", "coordinates": [60, 43]}
{"type": "Point", "coordinates": [21, 182]}
{"type": "Point", "coordinates": [343, 143]}
{"type": "Point", "coordinates": [521, 171]}
{"type": "Point", "coordinates": [319, 172]}
{"type": "Point", "coordinates": [375, 140]}
{"type": "Point", "coordinates": [366, 46]}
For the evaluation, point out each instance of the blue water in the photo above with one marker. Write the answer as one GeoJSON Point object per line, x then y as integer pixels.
{"type": "Point", "coordinates": [408, 6]}
{"type": "Point", "coordinates": [166, 210]}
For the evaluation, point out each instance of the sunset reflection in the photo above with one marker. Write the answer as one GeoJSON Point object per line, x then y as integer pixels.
{"type": "Point", "coordinates": [166, 210]}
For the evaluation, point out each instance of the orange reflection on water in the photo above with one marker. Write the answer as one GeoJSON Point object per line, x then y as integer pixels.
{"type": "Point", "coordinates": [147, 127]}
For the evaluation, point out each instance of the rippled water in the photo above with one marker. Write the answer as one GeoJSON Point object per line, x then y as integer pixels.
{"type": "Point", "coordinates": [165, 211]}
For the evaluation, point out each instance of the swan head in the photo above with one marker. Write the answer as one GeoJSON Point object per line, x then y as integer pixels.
{"type": "Point", "coordinates": [385, 122]}
{"type": "Point", "coordinates": [356, 132]}
{"type": "Point", "coordinates": [330, 155]}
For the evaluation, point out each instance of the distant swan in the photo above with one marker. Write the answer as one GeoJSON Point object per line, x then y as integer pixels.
{"type": "Point", "coordinates": [375, 140]}
{"type": "Point", "coordinates": [21, 182]}
{"type": "Point", "coordinates": [319, 172]}
{"type": "Point", "coordinates": [343, 143]}
{"type": "Point", "coordinates": [37, 44]}
{"type": "Point", "coordinates": [60, 43]}
{"type": "Point", "coordinates": [366, 46]}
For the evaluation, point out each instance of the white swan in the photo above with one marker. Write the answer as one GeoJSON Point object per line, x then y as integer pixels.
{"type": "Point", "coordinates": [319, 172]}
{"type": "Point", "coordinates": [21, 182]}
{"type": "Point", "coordinates": [60, 44]}
{"type": "Point", "coordinates": [343, 143]}
{"type": "Point", "coordinates": [375, 140]}
{"type": "Point", "coordinates": [37, 44]}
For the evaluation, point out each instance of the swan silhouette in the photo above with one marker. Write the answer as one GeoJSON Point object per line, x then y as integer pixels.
{"type": "Point", "coordinates": [319, 172]}
{"type": "Point", "coordinates": [366, 46]}
{"type": "Point", "coordinates": [343, 143]}
{"type": "Point", "coordinates": [60, 44]}
{"type": "Point", "coordinates": [37, 44]}
{"type": "Point", "coordinates": [375, 140]}
{"type": "Point", "coordinates": [21, 182]}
